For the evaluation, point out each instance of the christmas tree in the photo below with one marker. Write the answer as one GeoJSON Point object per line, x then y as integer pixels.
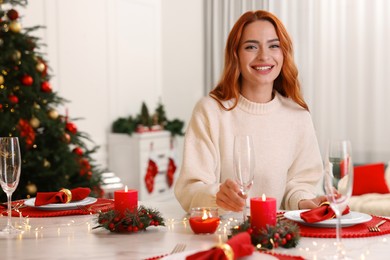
{"type": "Point", "coordinates": [55, 154]}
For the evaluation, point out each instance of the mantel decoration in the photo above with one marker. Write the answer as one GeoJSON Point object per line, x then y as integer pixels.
{"type": "Point", "coordinates": [130, 221]}
{"type": "Point", "coordinates": [284, 234]}
{"type": "Point", "coordinates": [144, 122]}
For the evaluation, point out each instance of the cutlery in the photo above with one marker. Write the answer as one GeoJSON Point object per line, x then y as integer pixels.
{"type": "Point", "coordinates": [376, 227]}
{"type": "Point", "coordinates": [180, 247]}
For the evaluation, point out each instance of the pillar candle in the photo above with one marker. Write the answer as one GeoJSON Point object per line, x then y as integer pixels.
{"type": "Point", "coordinates": [263, 212]}
{"type": "Point", "coordinates": [125, 199]}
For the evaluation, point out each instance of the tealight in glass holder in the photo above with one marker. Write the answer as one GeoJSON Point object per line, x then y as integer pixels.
{"type": "Point", "coordinates": [204, 220]}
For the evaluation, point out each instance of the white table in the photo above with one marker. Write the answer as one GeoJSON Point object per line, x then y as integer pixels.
{"type": "Point", "coordinates": [72, 237]}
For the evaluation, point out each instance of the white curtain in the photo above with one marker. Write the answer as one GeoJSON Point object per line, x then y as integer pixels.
{"type": "Point", "coordinates": [341, 52]}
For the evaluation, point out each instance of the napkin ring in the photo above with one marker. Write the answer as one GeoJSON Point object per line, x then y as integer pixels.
{"type": "Point", "coordinates": [228, 251]}
{"type": "Point", "coordinates": [68, 194]}
{"type": "Point", "coordinates": [324, 203]}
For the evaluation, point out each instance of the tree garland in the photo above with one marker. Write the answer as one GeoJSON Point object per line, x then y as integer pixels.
{"type": "Point", "coordinates": [284, 234]}
{"type": "Point", "coordinates": [131, 221]}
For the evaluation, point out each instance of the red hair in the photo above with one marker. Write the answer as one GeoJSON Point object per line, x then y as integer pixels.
{"type": "Point", "coordinates": [287, 83]}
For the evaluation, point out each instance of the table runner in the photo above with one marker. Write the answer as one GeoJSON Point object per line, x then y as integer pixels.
{"type": "Point", "coordinates": [359, 230]}
{"type": "Point", "coordinates": [103, 205]}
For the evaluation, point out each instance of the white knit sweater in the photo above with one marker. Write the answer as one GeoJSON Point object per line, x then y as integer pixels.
{"type": "Point", "coordinates": [288, 162]}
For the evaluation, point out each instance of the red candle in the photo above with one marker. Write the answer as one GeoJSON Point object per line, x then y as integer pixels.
{"type": "Point", "coordinates": [204, 221]}
{"type": "Point", "coordinates": [263, 212]}
{"type": "Point", "coordinates": [125, 199]}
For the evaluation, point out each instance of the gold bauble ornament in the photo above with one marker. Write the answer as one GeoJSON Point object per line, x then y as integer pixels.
{"type": "Point", "coordinates": [14, 26]}
{"type": "Point", "coordinates": [34, 122]}
{"type": "Point", "coordinates": [1, 79]}
{"type": "Point", "coordinates": [31, 188]}
{"type": "Point", "coordinates": [46, 163]}
{"type": "Point", "coordinates": [53, 114]}
{"type": "Point", "coordinates": [16, 55]}
{"type": "Point", "coordinates": [66, 138]}
{"type": "Point", "coordinates": [40, 67]}
{"type": "Point", "coordinates": [37, 106]}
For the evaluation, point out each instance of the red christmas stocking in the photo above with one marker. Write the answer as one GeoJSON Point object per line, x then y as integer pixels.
{"type": "Point", "coordinates": [151, 172]}
{"type": "Point", "coordinates": [171, 166]}
{"type": "Point", "coordinates": [171, 171]}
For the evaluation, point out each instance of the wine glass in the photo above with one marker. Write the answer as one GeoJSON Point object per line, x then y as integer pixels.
{"type": "Point", "coordinates": [9, 174]}
{"type": "Point", "coordinates": [338, 181]}
{"type": "Point", "coordinates": [244, 164]}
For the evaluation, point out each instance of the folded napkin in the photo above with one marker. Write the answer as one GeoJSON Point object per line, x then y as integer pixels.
{"type": "Point", "coordinates": [238, 246]}
{"type": "Point", "coordinates": [62, 196]}
{"type": "Point", "coordinates": [323, 212]}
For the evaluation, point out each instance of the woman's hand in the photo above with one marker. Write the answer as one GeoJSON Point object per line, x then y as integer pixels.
{"type": "Point", "coordinates": [311, 203]}
{"type": "Point", "coordinates": [229, 196]}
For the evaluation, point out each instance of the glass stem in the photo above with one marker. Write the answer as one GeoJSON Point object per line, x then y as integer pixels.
{"type": "Point", "coordinates": [9, 212]}
{"type": "Point", "coordinates": [244, 212]}
{"type": "Point", "coordinates": [338, 233]}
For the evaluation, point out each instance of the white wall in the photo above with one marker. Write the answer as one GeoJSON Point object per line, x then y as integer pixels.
{"type": "Point", "coordinates": [108, 56]}
{"type": "Point", "coordinates": [183, 56]}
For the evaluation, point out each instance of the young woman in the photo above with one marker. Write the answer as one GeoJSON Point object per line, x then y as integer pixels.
{"type": "Point", "coordinates": [258, 95]}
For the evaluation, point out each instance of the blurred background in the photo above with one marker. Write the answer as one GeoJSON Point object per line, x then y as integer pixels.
{"type": "Point", "coordinates": [109, 56]}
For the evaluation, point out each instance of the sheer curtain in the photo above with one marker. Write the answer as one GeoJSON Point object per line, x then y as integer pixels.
{"type": "Point", "coordinates": [341, 52]}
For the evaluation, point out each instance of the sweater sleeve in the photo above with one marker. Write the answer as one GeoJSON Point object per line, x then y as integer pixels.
{"type": "Point", "coordinates": [198, 181]}
{"type": "Point", "coordinates": [306, 170]}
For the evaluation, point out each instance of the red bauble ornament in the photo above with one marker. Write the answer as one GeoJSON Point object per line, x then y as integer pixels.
{"type": "Point", "coordinates": [72, 128]}
{"type": "Point", "coordinates": [85, 164]}
{"type": "Point", "coordinates": [78, 151]}
{"type": "Point", "coordinates": [46, 87]}
{"type": "Point", "coordinates": [12, 14]}
{"type": "Point", "coordinates": [27, 80]}
{"type": "Point", "coordinates": [13, 99]}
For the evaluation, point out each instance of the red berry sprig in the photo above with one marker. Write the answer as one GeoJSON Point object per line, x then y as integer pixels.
{"type": "Point", "coordinates": [131, 221]}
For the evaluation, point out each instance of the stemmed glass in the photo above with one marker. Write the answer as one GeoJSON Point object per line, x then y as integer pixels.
{"type": "Point", "coordinates": [244, 164]}
{"type": "Point", "coordinates": [9, 174]}
{"type": "Point", "coordinates": [338, 181]}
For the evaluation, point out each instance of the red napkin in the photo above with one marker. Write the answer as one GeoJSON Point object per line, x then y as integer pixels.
{"type": "Point", "coordinates": [241, 246]}
{"type": "Point", "coordinates": [44, 198]}
{"type": "Point", "coordinates": [321, 213]}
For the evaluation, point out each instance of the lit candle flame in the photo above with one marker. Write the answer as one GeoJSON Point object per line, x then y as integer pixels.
{"type": "Point", "coordinates": [205, 215]}
{"type": "Point", "coordinates": [126, 190]}
{"type": "Point", "coordinates": [263, 197]}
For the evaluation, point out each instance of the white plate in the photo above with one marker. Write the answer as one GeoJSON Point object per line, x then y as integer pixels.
{"type": "Point", "coordinates": [350, 219]}
{"type": "Point", "coordinates": [61, 206]}
{"type": "Point", "coordinates": [254, 256]}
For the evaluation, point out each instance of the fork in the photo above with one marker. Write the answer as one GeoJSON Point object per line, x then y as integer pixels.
{"type": "Point", "coordinates": [376, 227]}
{"type": "Point", "coordinates": [178, 248]}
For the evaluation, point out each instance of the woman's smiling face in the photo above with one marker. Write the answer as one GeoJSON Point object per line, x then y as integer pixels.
{"type": "Point", "coordinates": [260, 55]}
